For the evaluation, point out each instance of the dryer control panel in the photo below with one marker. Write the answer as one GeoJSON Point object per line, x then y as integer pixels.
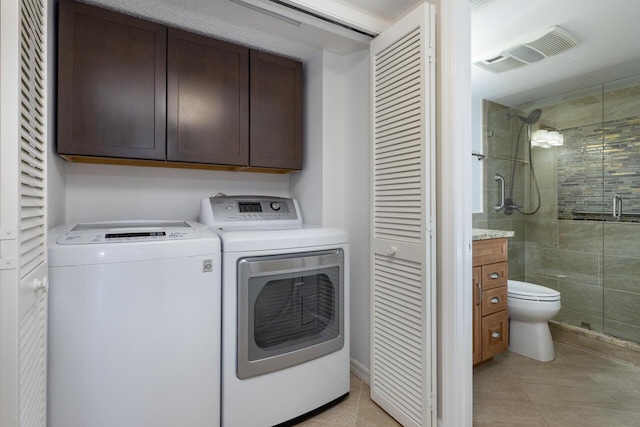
{"type": "Point", "coordinates": [225, 210]}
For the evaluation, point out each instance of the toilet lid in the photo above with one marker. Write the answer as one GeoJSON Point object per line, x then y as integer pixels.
{"type": "Point", "coordinates": [531, 292]}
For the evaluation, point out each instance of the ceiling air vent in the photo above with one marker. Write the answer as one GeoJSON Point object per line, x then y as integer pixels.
{"type": "Point", "coordinates": [476, 4]}
{"type": "Point", "coordinates": [552, 41]}
{"type": "Point", "coordinates": [500, 63]}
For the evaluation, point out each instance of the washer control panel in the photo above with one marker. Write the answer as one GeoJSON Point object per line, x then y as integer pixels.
{"type": "Point", "coordinates": [241, 209]}
{"type": "Point", "coordinates": [134, 231]}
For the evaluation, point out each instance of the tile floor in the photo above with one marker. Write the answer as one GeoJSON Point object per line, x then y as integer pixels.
{"type": "Point", "coordinates": [577, 389]}
{"type": "Point", "coordinates": [356, 410]}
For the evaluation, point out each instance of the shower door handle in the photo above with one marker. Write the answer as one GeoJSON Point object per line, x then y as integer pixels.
{"type": "Point", "coordinates": [500, 179]}
{"type": "Point", "coordinates": [617, 207]}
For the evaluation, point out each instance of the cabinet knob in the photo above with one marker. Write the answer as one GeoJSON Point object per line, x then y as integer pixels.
{"type": "Point", "coordinates": [495, 300]}
{"type": "Point", "coordinates": [495, 334]}
{"type": "Point", "coordinates": [392, 250]}
{"type": "Point", "coordinates": [494, 275]}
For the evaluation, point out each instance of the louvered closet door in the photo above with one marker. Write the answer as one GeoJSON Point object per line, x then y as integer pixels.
{"type": "Point", "coordinates": [23, 260]}
{"type": "Point", "coordinates": [403, 257]}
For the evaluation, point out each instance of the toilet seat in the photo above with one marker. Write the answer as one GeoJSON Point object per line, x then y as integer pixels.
{"type": "Point", "coordinates": [530, 292]}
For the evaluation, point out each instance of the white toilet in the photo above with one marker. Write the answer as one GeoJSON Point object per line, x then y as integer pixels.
{"type": "Point", "coordinates": [530, 307]}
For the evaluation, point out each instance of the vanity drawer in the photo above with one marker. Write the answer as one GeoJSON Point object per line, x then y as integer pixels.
{"type": "Point", "coordinates": [494, 275]}
{"type": "Point", "coordinates": [495, 334]}
{"type": "Point", "coordinates": [489, 251]}
{"type": "Point", "coordinates": [494, 300]}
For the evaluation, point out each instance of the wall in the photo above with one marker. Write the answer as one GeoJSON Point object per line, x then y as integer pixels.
{"type": "Point", "coordinates": [306, 187]}
{"type": "Point", "coordinates": [499, 135]}
{"type": "Point", "coordinates": [335, 181]}
{"type": "Point", "coordinates": [355, 184]}
{"type": "Point", "coordinates": [56, 177]}
{"type": "Point", "coordinates": [108, 192]}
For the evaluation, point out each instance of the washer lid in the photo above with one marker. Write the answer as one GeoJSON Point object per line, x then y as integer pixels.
{"type": "Point", "coordinates": [127, 232]}
{"type": "Point", "coordinates": [531, 292]}
{"type": "Point", "coordinates": [128, 241]}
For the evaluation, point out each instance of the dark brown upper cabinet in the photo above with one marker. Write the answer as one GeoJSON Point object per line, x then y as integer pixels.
{"type": "Point", "coordinates": [134, 92]}
{"type": "Point", "coordinates": [276, 112]}
{"type": "Point", "coordinates": [111, 84]}
{"type": "Point", "coordinates": [207, 100]}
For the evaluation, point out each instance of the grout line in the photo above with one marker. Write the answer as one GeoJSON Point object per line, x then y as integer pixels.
{"type": "Point", "coordinates": [358, 402]}
{"type": "Point", "coordinates": [544, 420]}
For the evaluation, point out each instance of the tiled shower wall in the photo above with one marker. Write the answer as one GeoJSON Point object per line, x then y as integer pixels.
{"type": "Point", "coordinates": [595, 264]}
{"type": "Point", "coordinates": [498, 145]}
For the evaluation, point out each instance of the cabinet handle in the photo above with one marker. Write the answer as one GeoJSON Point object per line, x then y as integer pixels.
{"type": "Point", "coordinates": [479, 295]}
{"type": "Point", "coordinates": [495, 335]}
{"type": "Point", "coordinates": [494, 276]}
{"type": "Point", "coordinates": [495, 300]}
{"type": "Point", "coordinates": [40, 285]}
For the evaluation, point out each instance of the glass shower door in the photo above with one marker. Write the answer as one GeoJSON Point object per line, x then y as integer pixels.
{"type": "Point", "coordinates": [621, 174]}
{"type": "Point", "coordinates": [571, 176]}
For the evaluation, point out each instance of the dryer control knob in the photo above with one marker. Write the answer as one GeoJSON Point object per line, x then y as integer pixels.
{"type": "Point", "coordinates": [275, 206]}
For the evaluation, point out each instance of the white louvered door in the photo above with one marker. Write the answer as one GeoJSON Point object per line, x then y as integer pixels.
{"type": "Point", "coordinates": [23, 259]}
{"type": "Point", "coordinates": [403, 363]}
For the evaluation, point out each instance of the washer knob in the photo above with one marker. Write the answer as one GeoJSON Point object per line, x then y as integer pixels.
{"type": "Point", "coordinates": [275, 206]}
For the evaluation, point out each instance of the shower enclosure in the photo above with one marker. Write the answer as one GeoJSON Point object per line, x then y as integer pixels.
{"type": "Point", "coordinates": [585, 238]}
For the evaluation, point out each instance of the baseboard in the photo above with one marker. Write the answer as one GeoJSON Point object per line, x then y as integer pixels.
{"type": "Point", "coordinates": [360, 371]}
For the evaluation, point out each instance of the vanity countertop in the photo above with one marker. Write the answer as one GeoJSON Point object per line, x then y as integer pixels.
{"type": "Point", "coordinates": [482, 234]}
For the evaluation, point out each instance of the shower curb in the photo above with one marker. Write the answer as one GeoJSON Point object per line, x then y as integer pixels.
{"type": "Point", "coordinates": [597, 342]}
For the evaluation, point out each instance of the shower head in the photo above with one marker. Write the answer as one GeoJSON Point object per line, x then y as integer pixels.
{"type": "Point", "coordinates": [533, 116]}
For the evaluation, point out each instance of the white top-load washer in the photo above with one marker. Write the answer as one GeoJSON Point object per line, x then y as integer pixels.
{"type": "Point", "coordinates": [285, 317]}
{"type": "Point", "coordinates": [134, 325]}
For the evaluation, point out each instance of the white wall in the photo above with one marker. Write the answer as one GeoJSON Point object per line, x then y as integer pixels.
{"type": "Point", "coordinates": [357, 195]}
{"type": "Point", "coordinates": [306, 186]}
{"type": "Point", "coordinates": [56, 192]}
{"type": "Point", "coordinates": [333, 121]}
{"type": "Point", "coordinates": [333, 189]}
{"type": "Point", "coordinates": [109, 192]}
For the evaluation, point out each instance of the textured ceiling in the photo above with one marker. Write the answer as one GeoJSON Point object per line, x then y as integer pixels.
{"type": "Point", "coordinates": [229, 21]}
{"type": "Point", "coordinates": [389, 10]}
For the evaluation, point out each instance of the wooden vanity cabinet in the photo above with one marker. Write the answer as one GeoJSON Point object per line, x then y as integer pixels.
{"type": "Point", "coordinates": [111, 84]}
{"type": "Point", "coordinates": [490, 317]}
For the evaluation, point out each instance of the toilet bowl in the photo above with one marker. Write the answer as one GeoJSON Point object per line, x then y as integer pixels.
{"type": "Point", "coordinates": [530, 307]}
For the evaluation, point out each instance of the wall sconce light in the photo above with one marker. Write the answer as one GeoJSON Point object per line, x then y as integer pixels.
{"type": "Point", "coordinates": [547, 138]}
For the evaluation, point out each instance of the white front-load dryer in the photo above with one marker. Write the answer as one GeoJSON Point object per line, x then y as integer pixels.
{"type": "Point", "coordinates": [285, 318]}
{"type": "Point", "coordinates": [134, 325]}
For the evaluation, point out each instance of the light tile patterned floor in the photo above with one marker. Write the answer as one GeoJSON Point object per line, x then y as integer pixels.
{"type": "Point", "coordinates": [356, 410]}
{"type": "Point", "coordinates": [578, 388]}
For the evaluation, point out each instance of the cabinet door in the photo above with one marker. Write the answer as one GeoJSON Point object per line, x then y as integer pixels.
{"type": "Point", "coordinates": [111, 84]}
{"type": "Point", "coordinates": [477, 315]}
{"type": "Point", "coordinates": [495, 334]}
{"type": "Point", "coordinates": [276, 112]}
{"type": "Point", "coordinates": [208, 100]}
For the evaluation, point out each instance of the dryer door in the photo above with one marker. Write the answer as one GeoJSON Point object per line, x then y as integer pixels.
{"type": "Point", "coordinates": [290, 310]}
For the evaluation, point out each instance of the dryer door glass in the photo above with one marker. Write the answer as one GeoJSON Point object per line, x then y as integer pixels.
{"type": "Point", "coordinates": [290, 310]}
